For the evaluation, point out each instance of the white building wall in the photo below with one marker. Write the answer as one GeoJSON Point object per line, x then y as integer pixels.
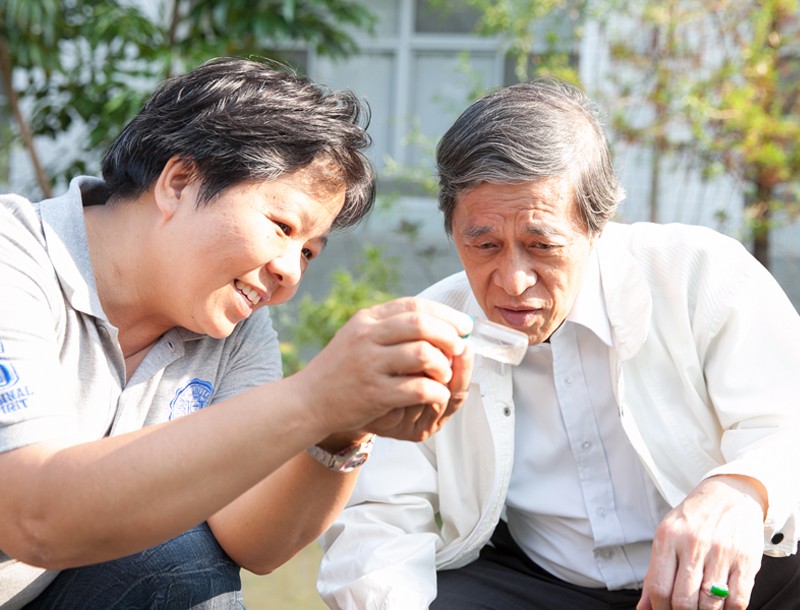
{"type": "Point", "coordinates": [416, 81]}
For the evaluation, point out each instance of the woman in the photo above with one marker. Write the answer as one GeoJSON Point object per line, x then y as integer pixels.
{"type": "Point", "coordinates": [140, 394]}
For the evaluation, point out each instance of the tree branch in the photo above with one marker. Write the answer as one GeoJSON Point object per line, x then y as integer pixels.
{"type": "Point", "coordinates": [25, 132]}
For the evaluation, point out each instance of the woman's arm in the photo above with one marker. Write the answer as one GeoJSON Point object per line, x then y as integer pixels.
{"type": "Point", "coordinates": [67, 506]}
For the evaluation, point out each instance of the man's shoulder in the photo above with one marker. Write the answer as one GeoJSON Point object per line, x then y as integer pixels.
{"type": "Point", "coordinates": [666, 232]}
{"type": "Point", "coordinates": [453, 290]}
{"type": "Point", "coordinates": [17, 211]}
{"type": "Point", "coordinates": [645, 240]}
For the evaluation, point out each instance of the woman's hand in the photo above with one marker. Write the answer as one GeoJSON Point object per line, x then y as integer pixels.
{"type": "Point", "coordinates": [399, 369]}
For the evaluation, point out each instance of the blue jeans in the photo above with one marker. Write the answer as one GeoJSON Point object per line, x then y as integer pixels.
{"type": "Point", "coordinates": [189, 571]}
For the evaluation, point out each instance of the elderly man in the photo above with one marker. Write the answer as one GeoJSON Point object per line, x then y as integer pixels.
{"type": "Point", "coordinates": [645, 452]}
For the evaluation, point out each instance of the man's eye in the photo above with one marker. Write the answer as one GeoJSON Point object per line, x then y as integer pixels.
{"type": "Point", "coordinates": [308, 254]}
{"type": "Point", "coordinates": [285, 229]}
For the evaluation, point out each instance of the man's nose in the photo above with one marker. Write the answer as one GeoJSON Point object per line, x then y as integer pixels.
{"type": "Point", "coordinates": [514, 275]}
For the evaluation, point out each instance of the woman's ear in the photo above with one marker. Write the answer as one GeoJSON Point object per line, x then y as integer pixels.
{"type": "Point", "coordinates": [170, 189]}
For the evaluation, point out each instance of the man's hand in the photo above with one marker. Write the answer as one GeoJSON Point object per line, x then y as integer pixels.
{"type": "Point", "coordinates": [714, 537]}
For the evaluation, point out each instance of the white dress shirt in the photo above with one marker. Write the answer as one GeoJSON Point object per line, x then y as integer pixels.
{"type": "Point", "coordinates": [579, 503]}
{"type": "Point", "coordinates": [703, 366]}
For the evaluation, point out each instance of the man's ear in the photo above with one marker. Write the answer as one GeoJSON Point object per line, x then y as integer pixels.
{"type": "Point", "coordinates": [170, 190]}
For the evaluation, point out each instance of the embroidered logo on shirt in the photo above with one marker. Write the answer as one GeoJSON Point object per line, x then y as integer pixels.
{"type": "Point", "coordinates": [11, 398]}
{"type": "Point", "coordinates": [192, 397]}
{"type": "Point", "coordinates": [8, 375]}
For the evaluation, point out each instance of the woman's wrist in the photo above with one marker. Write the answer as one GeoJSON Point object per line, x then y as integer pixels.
{"type": "Point", "coordinates": [346, 459]}
{"type": "Point", "coordinates": [343, 440]}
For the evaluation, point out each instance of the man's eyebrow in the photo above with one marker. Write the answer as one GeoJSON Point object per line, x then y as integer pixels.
{"type": "Point", "coordinates": [542, 230]}
{"type": "Point", "coordinates": [539, 230]}
{"type": "Point", "coordinates": [323, 242]}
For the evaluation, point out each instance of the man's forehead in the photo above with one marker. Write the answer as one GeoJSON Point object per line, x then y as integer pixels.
{"type": "Point", "coordinates": [547, 203]}
{"type": "Point", "coordinates": [528, 219]}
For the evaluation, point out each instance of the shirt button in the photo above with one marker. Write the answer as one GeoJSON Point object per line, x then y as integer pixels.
{"type": "Point", "coordinates": [586, 445]}
{"type": "Point", "coordinates": [568, 380]}
{"type": "Point", "coordinates": [602, 512]}
{"type": "Point", "coordinates": [507, 411]}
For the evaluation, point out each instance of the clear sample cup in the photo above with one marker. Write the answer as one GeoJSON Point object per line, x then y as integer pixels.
{"type": "Point", "coordinates": [498, 342]}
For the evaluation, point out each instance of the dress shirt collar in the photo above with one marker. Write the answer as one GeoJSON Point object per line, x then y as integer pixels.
{"type": "Point", "coordinates": [589, 309]}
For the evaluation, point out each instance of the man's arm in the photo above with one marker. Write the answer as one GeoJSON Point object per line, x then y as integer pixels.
{"type": "Point", "coordinates": [381, 551]}
{"type": "Point", "coordinates": [747, 335]}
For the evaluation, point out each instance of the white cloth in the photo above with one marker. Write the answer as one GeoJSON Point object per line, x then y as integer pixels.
{"type": "Point", "coordinates": [579, 503]}
{"type": "Point", "coordinates": [704, 368]}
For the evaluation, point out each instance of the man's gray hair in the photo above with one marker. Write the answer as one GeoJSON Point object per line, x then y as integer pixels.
{"type": "Point", "coordinates": [526, 132]}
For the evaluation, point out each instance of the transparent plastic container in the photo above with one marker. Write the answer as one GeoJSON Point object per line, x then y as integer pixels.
{"type": "Point", "coordinates": [498, 342]}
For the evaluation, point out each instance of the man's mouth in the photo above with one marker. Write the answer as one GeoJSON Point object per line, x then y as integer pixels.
{"type": "Point", "coordinates": [250, 293]}
{"type": "Point", "coordinates": [519, 318]}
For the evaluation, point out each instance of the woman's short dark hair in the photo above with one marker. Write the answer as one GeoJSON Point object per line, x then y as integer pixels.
{"type": "Point", "coordinates": [526, 132]}
{"type": "Point", "coordinates": [237, 121]}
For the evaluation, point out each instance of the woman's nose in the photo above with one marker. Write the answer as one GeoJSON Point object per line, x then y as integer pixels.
{"type": "Point", "coordinates": [287, 268]}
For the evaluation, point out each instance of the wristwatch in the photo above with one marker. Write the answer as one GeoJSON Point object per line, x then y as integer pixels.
{"type": "Point", "coordinates": [346, 460]}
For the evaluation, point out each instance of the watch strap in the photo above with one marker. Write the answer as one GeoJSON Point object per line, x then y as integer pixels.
{"type": "Point", "coordinates": [346, 460]}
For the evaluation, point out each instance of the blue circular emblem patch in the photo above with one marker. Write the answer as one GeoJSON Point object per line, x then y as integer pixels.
{"type": "Point", "coordinates": [191, 397]}
{"type": "Point", "coordinates": [8, 375]}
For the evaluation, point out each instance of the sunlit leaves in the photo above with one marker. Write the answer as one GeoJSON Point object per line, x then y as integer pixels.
{"type": "Point", "coordinates": [92, 62]}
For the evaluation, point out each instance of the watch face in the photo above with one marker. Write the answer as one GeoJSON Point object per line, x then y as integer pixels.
{"type": "Point", "coordinates": [355, 461]}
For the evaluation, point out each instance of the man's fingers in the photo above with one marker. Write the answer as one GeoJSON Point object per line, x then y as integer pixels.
{"type": "Point", "coordinates": [740, 583]}
{"type": "Point", "coordinates": [660, 577]}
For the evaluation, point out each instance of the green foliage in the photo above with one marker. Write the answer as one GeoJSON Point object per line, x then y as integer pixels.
{"type": "Point", "coordinates": [233, 27]}
{"type": "Point", "coordinates": [722, 80]}
{"type": "Point", "coordinates": [92, 62]}
{"type": "Point", "coordinates": [316, 322]}
{"type": "Point", "coordinates": [539, 35]}
{"type": "Point", "coordinates": [73, 63]}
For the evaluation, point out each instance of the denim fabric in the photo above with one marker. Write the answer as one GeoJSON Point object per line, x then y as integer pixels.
{"type": "Point", "coordinates": [190, 571]}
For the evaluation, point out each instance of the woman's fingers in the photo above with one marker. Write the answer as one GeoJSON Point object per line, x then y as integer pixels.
{"type": "Point", "coordinates": [403, 353]}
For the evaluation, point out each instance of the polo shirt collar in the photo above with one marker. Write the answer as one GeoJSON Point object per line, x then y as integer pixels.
{"type": "Point", "coordinates": [67, 245]}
